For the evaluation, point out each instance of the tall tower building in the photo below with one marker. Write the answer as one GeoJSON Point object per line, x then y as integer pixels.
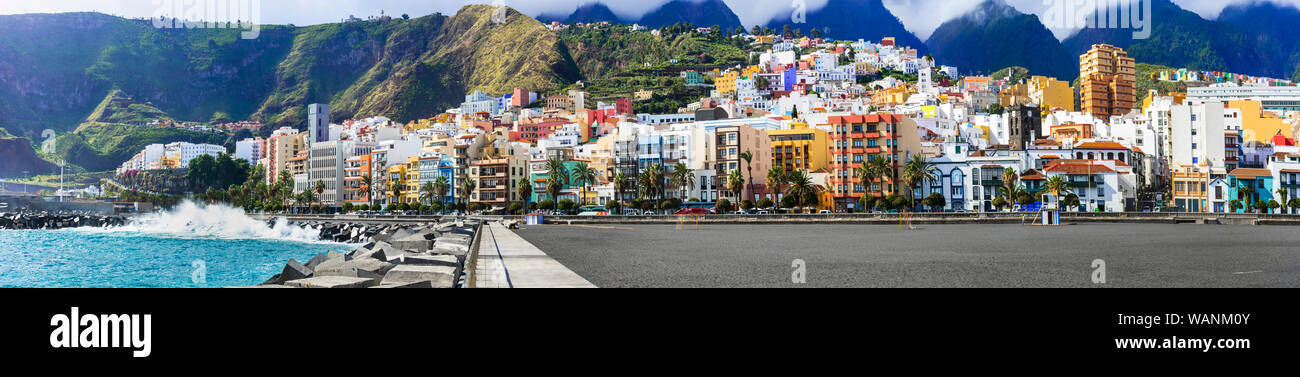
{"type": "Point", "coordinates": [318, 122]}
{"type": "Point", "coordinates": [1107, 82]}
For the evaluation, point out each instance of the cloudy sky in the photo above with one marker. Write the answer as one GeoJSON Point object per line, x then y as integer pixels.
{"type": "Point", "coordinates": [920, 16]}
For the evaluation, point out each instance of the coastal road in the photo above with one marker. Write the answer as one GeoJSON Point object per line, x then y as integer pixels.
{"type": "Point", "coordinates": [977, 255]}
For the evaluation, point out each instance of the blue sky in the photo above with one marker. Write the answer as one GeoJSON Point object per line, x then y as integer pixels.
{"type": "Point", "coordinates": [920, 16]}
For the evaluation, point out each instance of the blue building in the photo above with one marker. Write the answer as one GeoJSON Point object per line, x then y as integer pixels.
{"type": "Point", "coordinates": [1248, 186]}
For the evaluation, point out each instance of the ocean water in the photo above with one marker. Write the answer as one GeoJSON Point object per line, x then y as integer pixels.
{"type": "Point", "coordinates": [191, 246]}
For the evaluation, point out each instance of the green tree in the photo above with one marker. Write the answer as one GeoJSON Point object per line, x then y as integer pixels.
{"type": "Point", "coordinates": [801, 189]}
{"type": "Point", "coordinates": [919, 169]}
{"type": "Point", "coordinates": [525, 190]}
{"type": "Point", "coordinates": [776, 178]}
{"type": "Point", "coordinates": [467, 187]}
{"type": "Point", "coordinates": [748, 157]}
{"type": "Point", "coordinates": [682, 177]}
{"type": "Point", "coordinates": [320, 189]}
{"type": "Point", "coordinates": [584, 176]}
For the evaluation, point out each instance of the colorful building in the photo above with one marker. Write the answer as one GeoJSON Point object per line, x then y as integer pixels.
{"type": "Point", "coordinates": [1047, 92]}
{"type": "Point", "coordinates": [856, 139]}
{"type": "Point", "coordinates": [800, 148]}
{"type": "Point", "coordinates": [1249, 186]}
{"type": "Point", "coordinates": [1107, 81]}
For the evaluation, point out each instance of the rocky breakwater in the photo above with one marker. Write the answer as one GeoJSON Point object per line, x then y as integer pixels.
{"type": "Point", "coordinates": [394, 256]}
{"type": "Point", "coordinates": [58, 220]}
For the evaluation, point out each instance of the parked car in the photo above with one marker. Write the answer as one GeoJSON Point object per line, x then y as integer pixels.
{"type": "Point", "coordinates": [694, 211]}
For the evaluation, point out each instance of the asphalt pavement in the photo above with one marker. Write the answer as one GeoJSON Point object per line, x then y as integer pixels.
{"type": "Point", "coordinates": [975, 255]}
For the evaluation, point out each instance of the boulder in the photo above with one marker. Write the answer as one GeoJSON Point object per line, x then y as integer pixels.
{"type": "Point", "coordinates": [370, 268]}
{"type": "Point", "coordinates": [294, 271]}
{"type": "Point", "coordinates": [438, 276]}
{"type": "Point", "coordinates": [321, 258]}
{"type": "Point", "coordinates": [412, 241]}
{"type": "Point", "coordinates": [331, 282]}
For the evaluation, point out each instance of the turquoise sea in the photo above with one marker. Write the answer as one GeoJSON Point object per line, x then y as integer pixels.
{"type": "Point", "coordinates": [193, 246]}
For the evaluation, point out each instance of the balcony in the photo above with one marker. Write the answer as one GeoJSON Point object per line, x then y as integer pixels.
{"type": "Point", "coordinates": [991, 182]}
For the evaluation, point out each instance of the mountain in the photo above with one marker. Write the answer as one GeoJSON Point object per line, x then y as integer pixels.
{"type": "Point", "coordinates": [59, 70]}
{"type": "Point", "coordinates": [854, 19]}
{"type": "Point", "coordinates": [587, 13]}
{"type": "Point", "coordinates": [1272, 27]}
{"type": "Point", "coordinates": [701, 13]}
{"type": "Point", "coordinates": [1181, 38]}
{"type": "Point", "coordinates": [994, 36]}
{"type": "Point", "coordinates": [19, 157]}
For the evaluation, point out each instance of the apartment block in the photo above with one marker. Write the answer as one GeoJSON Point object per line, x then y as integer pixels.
{"type": "Point", "coordinates": [1107, 81]}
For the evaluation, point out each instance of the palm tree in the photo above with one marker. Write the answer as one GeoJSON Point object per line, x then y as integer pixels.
{"type": "Point", "coordinates": [652, 181]}
{"type": "Point", "coordinates": [775, 178]}
{"type": "Point", "coordinates": [553, 188]}
{"type": "Point", "coordinates": [1009, 182]}
{"type": "Point", "coordinates": [525, 190]}
{"type": "Point", "coordinates": [467, 186]}
{"type": "Point", "coordinates": [736, 184]}
{"type": "Point", "coordinates": [749, 169]}
{"type": "Point", "coordinates": [556, 171]}
{"type": "Point", "coordinates": [320, 189]}
{"type": "Point", "coordinates": [683, 177]}
{"type": "Point", "coordinates": [440, 188]}
{"type": "Point", "coordinates": [878, 168]}
{"type": "Point", "coordinates": [1282, 195]}
{"type": "Point", "coordinates": [800, 187]}
{"type": "Point", "coordinates": [397, 187]}
{"type": "Point", "coordinates": [918, 171]}
{"type": "Point", "coordinates": [366, 185]}
{"type": "Point", "coordinates": [427, 193]}
{"type": "Point", "coordinates": [1057, 185]}
{"type": "Point", "coordinates": [584, 176]}
{"type": "Point", "coordinates": [620, 185]}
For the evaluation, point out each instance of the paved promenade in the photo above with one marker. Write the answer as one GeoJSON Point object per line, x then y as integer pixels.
{"type": "Point", "coordinates": [506, 260]}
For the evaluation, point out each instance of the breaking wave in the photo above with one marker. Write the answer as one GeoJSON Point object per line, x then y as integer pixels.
{"type": "Point", "coordinates": [213, 221]}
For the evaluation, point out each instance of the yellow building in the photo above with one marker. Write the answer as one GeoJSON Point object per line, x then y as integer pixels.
{"type": "Point", "coordinates": [897, 95]}
{"type": "Point", "coordinates": [1257, 125]}
{"type": "Point", "coordinates": [412, 182]}
{"type": "Point", "coordinates": [726, 83]}
{"type": "Point", "coordinates": [800, 148]}
{"type": "Point", "coordinates": [1047, 92]}
{"type": "Point", "coordinates": [396, 173]}
{"type": "Point", "coordinates": [1190, 187]}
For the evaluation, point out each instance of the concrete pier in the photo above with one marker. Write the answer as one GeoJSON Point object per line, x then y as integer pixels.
{"type": "Point", "coordinates": [506, 260]}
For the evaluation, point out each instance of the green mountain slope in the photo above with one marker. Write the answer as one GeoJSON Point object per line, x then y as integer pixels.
{"type": "Point", "coordinates": [57, 69]}
{"type": "Point", "coordinates": [1181, 38]}
{"type": "Point", "coordinates": [994, 36]}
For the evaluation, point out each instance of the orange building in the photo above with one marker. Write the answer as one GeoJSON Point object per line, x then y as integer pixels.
{"type": "Point", "coordinates": [1107, 81]}
{"type": "Point", "coordinates": [856, 139]}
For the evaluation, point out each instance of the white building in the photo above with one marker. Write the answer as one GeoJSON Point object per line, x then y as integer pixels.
{"type": "Point", "coordinates": [251, 149]}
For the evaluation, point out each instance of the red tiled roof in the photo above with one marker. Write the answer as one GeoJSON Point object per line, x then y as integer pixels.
{"type": "Point", "coordinates": [1291, 170]}
{"type": "Point", "coordinates": [869, 118]}
{"type": "Point", "coordinates": [1247, 172]}
{"type": "Point", "coordinates": [1100, 145]}
{"type": "Point", "coordinates": [1076, 169]}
